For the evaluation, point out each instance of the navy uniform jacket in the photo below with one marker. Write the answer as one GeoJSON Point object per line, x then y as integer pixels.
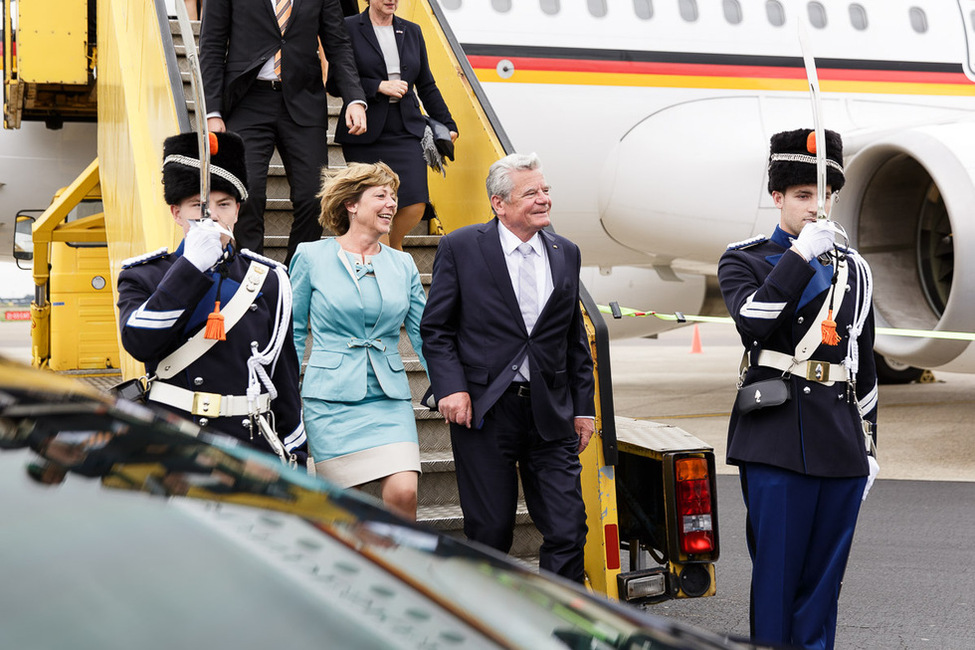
{"type": "Point", "coordinates": [774, 296]}
{"type": "Point", "coordinates": [474, 335]}
{"type": "Point", "coordinates": [163, 300]}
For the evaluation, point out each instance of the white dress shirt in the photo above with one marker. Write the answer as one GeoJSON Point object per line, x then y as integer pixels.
{"type": "Point", "coordinates": [543, 275]}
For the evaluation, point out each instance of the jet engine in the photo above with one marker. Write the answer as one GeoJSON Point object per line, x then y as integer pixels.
{"type": "Point", "coordinates": [909, 207]}
{"type": "Point", "coordinates": [688, 179]}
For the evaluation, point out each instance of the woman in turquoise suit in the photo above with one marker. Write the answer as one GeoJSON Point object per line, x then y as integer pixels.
{"type": "Point", "coordinates": [353, 294]}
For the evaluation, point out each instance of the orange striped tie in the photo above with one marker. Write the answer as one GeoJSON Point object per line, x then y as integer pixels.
{"type": "Point", "coordinates": [282, 10]}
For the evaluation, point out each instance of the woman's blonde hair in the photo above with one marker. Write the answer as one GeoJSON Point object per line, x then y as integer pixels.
{"type": "Point", "coordinates": [346, 186]}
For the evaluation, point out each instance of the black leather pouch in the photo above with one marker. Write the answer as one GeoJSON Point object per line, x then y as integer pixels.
{"type": "Point", "coordinates": [134, 390]}
{"type": "Point", "coordinates": [762, 394]}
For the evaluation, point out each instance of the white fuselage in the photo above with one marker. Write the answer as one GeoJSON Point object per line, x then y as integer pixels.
{"type": "Point", "coordinates": [653, 132]}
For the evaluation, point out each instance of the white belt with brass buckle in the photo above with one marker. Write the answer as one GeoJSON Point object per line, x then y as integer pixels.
{"type": "Point", "coordinates": [210, 405]}
{"type": "Point", "coordinates": [811, 369]}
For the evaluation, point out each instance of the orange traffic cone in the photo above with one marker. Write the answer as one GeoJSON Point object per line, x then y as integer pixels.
{"type": "Point", "coordinates": [696, 341]}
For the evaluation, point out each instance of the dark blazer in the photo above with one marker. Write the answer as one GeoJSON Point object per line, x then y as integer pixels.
{"type": "Point", "coordinates": [238, 36]}
{"type": "Point", "coordinates": [474, 336]}
{"type": "Point", "coordinates": [414, 70]}
{"type": "Point", "coordinates": [775, 296]}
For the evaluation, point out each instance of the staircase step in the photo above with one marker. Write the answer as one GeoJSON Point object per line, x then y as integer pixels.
{"type": "Point", "coordinates": [449, 519]}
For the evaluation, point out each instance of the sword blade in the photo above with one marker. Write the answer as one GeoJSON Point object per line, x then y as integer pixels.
{"type": "Point", "coordinates": [199, 115]}
{"type": "Point", "coordinates": [817, 109]}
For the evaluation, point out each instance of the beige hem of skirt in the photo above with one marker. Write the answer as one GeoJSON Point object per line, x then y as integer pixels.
{"type": "Point", "coordinates": [370, 464]}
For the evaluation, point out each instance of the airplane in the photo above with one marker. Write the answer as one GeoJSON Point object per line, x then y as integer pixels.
{"type": "Point", "coordinates": [652, 120]}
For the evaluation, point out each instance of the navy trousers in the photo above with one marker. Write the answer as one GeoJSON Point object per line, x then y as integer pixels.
{"type": "Point", "coordinates": [488, 461]}
{"type": "Point", "coordinates": [799, 533]}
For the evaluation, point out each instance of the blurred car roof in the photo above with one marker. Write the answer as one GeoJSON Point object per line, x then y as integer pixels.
{"type": "Point", "coordinates": [243, 552]}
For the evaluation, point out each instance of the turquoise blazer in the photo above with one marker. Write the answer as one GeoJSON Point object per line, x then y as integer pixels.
{"type": "Point", "coordinates": [327, 302]}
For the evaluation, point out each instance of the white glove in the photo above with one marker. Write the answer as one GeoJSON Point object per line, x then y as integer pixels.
{"type": "Point", "coordinates": [874, 470]}
{"type": "Point", "coordinates": [202, 247]}
{"type": "Point", "coordinates": [815, 239]}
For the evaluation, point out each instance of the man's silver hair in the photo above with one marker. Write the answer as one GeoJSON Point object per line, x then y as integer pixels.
{"type": "Point", "coordinates": [499, 181]}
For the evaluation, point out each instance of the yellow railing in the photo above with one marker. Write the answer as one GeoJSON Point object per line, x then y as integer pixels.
{"type": "Point", "coordinates": [599, 488]}
{"type": "Point", "coordinates": [136, 112]}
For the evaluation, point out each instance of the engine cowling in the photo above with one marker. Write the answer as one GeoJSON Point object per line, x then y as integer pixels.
{"type": "Point", "coordinates": [909, 206]}
{"type": "Point", "coordinates": [681, 184]}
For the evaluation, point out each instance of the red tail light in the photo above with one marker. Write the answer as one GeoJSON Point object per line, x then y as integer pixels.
{"type": "Point", "coordinates": [612, 535]}
{"type": "Point", "coordinates": [694, 521]}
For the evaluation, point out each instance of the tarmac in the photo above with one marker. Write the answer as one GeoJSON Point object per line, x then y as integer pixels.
{"type": "Point", "coordinates": [924, 430]}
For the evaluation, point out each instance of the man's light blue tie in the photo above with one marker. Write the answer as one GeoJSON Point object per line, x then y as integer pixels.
{"type": "Point", "coordinates": [527, 289]}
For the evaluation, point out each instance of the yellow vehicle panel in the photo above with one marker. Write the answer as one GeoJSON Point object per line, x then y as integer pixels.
{"type": "Point", "coordinates": [83, 334]}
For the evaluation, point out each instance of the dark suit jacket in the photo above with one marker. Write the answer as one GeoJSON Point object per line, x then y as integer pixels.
{"type": "Point", "coordinates": [474, 336]}
{"type": "Point", "coordinates": [238, 36]}
{"type": "Point", "coordinates": [414, 70]}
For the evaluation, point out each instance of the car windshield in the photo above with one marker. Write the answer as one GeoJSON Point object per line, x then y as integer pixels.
{"type": "Point", "coordinates": [325, 539]}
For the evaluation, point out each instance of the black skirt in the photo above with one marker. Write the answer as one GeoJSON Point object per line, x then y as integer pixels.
{"type": "Point", "coordinates": [399, 149]}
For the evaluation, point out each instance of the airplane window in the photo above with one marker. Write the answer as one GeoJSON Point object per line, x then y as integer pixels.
{"type": "Point", "coordinates": [817, 14]}
{"type": "Point", "coordinates": [551, 7]}
{"type": "Point", "coordinates": [643, 9]}
{"type": "Point", "coordinates": [919, 20]}
{"type": "Point", "coordinates": [501, 6]}
{"type": "Point", "coordinates": [454, 4]}
{"type": "Point", "coordinates": [858, 17]}
{"type": "Point", "coordinates": [732, 11]}
{"type": "Point", "coordinates": [597, 8]}
{"type": "Point", "coordinates": [688, 10]}
{"type": "Point", "coordinates": [775, 12]}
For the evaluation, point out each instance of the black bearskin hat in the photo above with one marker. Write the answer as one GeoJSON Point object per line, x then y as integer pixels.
{"type": "Point", "coordinates": [793, 160]}
{"type": "Point", "coordinates": [181, 166]}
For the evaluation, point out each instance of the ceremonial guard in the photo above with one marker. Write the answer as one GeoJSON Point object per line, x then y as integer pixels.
{"type": "Point", "coordinates": [802, 428]}
{"type": "Point", "coordinates": [211, 323]}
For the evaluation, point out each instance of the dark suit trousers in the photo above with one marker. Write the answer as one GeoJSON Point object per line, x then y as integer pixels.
{"type": "Point", "coordinates": [488, 461]}
{"type": "Point", "coordinates": [262, 121]}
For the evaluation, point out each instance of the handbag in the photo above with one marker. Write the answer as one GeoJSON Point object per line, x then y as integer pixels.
{"type": "Point", "coordinates": [762, 394]}
{"type": "Point", "coordinates": [441, 138]}
{"type": "Point", "coordinates": [436, 145]}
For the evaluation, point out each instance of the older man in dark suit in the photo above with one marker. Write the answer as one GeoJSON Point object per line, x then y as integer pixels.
{"type": "Point", "coordinates": [262, 79]}
{"type": "Point", "coordinates": [509, 360]}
